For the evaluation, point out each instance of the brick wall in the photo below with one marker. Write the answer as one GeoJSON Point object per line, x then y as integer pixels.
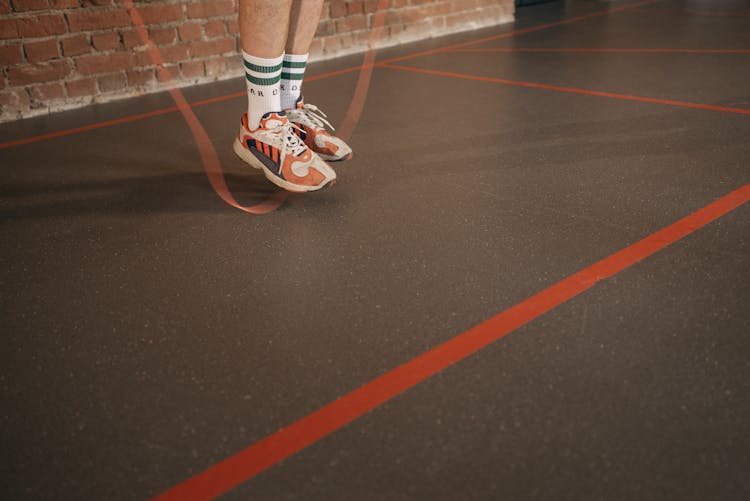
{"type": "Point", "coordinates": [60, 54]}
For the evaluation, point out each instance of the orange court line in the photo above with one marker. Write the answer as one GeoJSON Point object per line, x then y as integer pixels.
{"type": "Point", "coordinates": [585, 50]}
{"type": "Point", "coordinates": [572, 90]}
{"type": "Point", "coordinates": [520, 31]}
{"type": "Point", "coordinates": [154, 113]}
{"type": "Point", "coordinates": [367, 65]}
{"type": "Point", "coordinates": [694, 12]}
{"type": "Point", "coordinates": [247, 463]}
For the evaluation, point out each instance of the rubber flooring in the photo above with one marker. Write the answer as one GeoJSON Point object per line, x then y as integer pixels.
{"type": "Point", "coordinates": [531, 282]}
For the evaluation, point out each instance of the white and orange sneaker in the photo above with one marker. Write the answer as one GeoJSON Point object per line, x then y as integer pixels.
{"type": "Point", "coordinates": [285, 160]}
{"type": "Point", "coordinates": [312, 123]}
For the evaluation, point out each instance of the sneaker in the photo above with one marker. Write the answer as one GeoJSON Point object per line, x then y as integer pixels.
{"type": "Point", "coordinates": [285, 160]}
{"type": "Point", "coordinates": [312, 123]}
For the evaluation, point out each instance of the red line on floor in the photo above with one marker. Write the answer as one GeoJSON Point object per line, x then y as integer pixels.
{"type": "Point", "coordinates": [602, 50]}
{"type": "Point", "coordinates": [154, 113]}
{"type": "Point", "coordinates": [260, 456]}
{"type": "Point", "coordinates": [521, 31]}
{"type": "Point", "coordinates": [361, 90]}
{"type": "Point", "coordinates": [572, 90]}
{"type": "Point", "coordinates": [715, 13]}
{"type": "Point", "coordinates": [172, 109]}
{"type": "Point", "coordinates": [84, 128]}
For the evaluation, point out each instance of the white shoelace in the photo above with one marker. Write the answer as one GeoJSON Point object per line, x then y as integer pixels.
{"type": "Point", "coordinates": [316, 116]}
{"type": "Point", "coordinates": [283, 134]}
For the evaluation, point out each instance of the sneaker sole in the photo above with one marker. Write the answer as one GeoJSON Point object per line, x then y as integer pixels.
{"type": "Point", "coordinates": [331, 158]}
{"type": "Point", "coordinates": [253, 162]}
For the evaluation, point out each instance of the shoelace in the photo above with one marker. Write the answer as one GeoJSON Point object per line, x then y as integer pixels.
{"type": "Point", "coordinates": [316, 116]}
{"type": "Point", "coordinates": [284, 133]}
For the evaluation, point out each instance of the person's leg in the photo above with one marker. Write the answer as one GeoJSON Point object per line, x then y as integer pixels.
{"type": "Point", "coordinates": [267, 139]}
{"type": "Point", "coordinates": [264, 26]}
{"type": "Point", "coordinates": [310, 121]}
{"type": "Point", "coordinates": [303, 22]}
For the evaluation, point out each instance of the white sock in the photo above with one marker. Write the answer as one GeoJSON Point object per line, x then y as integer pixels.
{"type": "Point", "coordinates": [263, 94]}
{"type": "Point", "coordinates": [292, 73]}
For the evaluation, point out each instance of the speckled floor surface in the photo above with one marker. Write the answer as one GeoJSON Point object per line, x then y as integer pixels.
{"type": "Point", "coordinates": [150, 330]}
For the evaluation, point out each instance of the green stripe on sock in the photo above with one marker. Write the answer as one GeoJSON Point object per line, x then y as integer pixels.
{"type": "Point", "coordinates": [294, 64]}
{"type": "Point", "coordinates": [292, 76]}
{"type": "Point", "coordinates": [262, 81]}
{"type": "Point", "coordinates": [262, 69]}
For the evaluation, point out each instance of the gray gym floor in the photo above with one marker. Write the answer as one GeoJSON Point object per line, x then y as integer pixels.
{"type": "Point", "coordinates": [151, 331]}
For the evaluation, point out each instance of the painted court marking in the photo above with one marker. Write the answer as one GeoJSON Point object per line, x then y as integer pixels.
{"type": "Point", "coordinates": [235, 95]}
{"type": "Point", "coordinates": [599, 50]}
{"type": "Point", "coordinates": [571, 90]}
{"type": "Point", "coordinates": [264, 454]}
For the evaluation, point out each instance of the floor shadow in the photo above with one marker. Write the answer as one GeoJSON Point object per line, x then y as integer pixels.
{"type": "Point", "coordinates": [163, 193]}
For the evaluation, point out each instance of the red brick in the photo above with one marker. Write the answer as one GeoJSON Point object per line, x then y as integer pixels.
{"type": "Point", "coordinates": [361, 39]}
{"type": "Point", "coordinates": [8, 28]}
{"type": "Point", "coordinates": [370, 6]}
{"type": "Point", "coordinates": [172, 54]}
{"type": "Point", "coordinates": [65, 4]}
{"type": "Point", "coordinates": [103, 63]}
{"type": "Point", "coordinates": [354, 7]}
{"type": "Point", "coordinates": [167, 73]}
{"type": "Point", "coordinates": [158, 14]}
{"type": "Point", "coordinates": [106, 41]}
{"type": "Point", "coordinates": [211, 47]}
{"type": "Point", "coordinates": [47, 92]}
{"type": "Point", "coordinates": [460, 6]}
{"type": "Point", "coordinates": [337, 8]}
{"type": "Point", "coordinates": [111, 83]}
{"type": "Point", "coordinates": [10, 54]}
{"type": "Point", "coordinates": [131, 38]}
{"type": "Point", "coordinates": [189, 31]}
{"type": "Point", "coordinates": [76, 45]}
{"type": "Point", "coordinates": [41, 25]}
{"type": "Point", "coordinates": [88, 3]}
{"type": "Point", "coordinates": [458, 19]}
{"type": "Point", "coordinates": [211, 8]}
{"type": "Point", "coordinates": [27, 5]}
{"type": "Point", "coordinates": [214, 29]}
{"type": "Point", "coordinates": [86, 20]}
{"type": "Point", "coordinates": [422, 13]}
{"type": "Point", "coordinates": [395, 30]}
{"type": "Point", "coordinates": [80, 88]}
{"type": "Point", "coordinates": [192, 69]}
{"type": "Point", "coordinates": [326, 28]}
{"type": "Point", "coordinates": [233, 27]}
{"type": "Point", "coordinates": [351, 23]}
{"type": "Point", "coordinates": [41, 51]}
{"type": "Point", "coordinates": [4, 6]}
{"type": "Point", "coordinates": [139, 78]}
{"type": "Point", "coordinates": [38, 72]}
{"type": "Point", "coordinates": [162, 36]}
{"type": "Point", "coordinates": [337, 43]}
{"type": "Point", "coordinates": [393, 17]}
{"type": "Point", "coordinates": [142, 59]}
